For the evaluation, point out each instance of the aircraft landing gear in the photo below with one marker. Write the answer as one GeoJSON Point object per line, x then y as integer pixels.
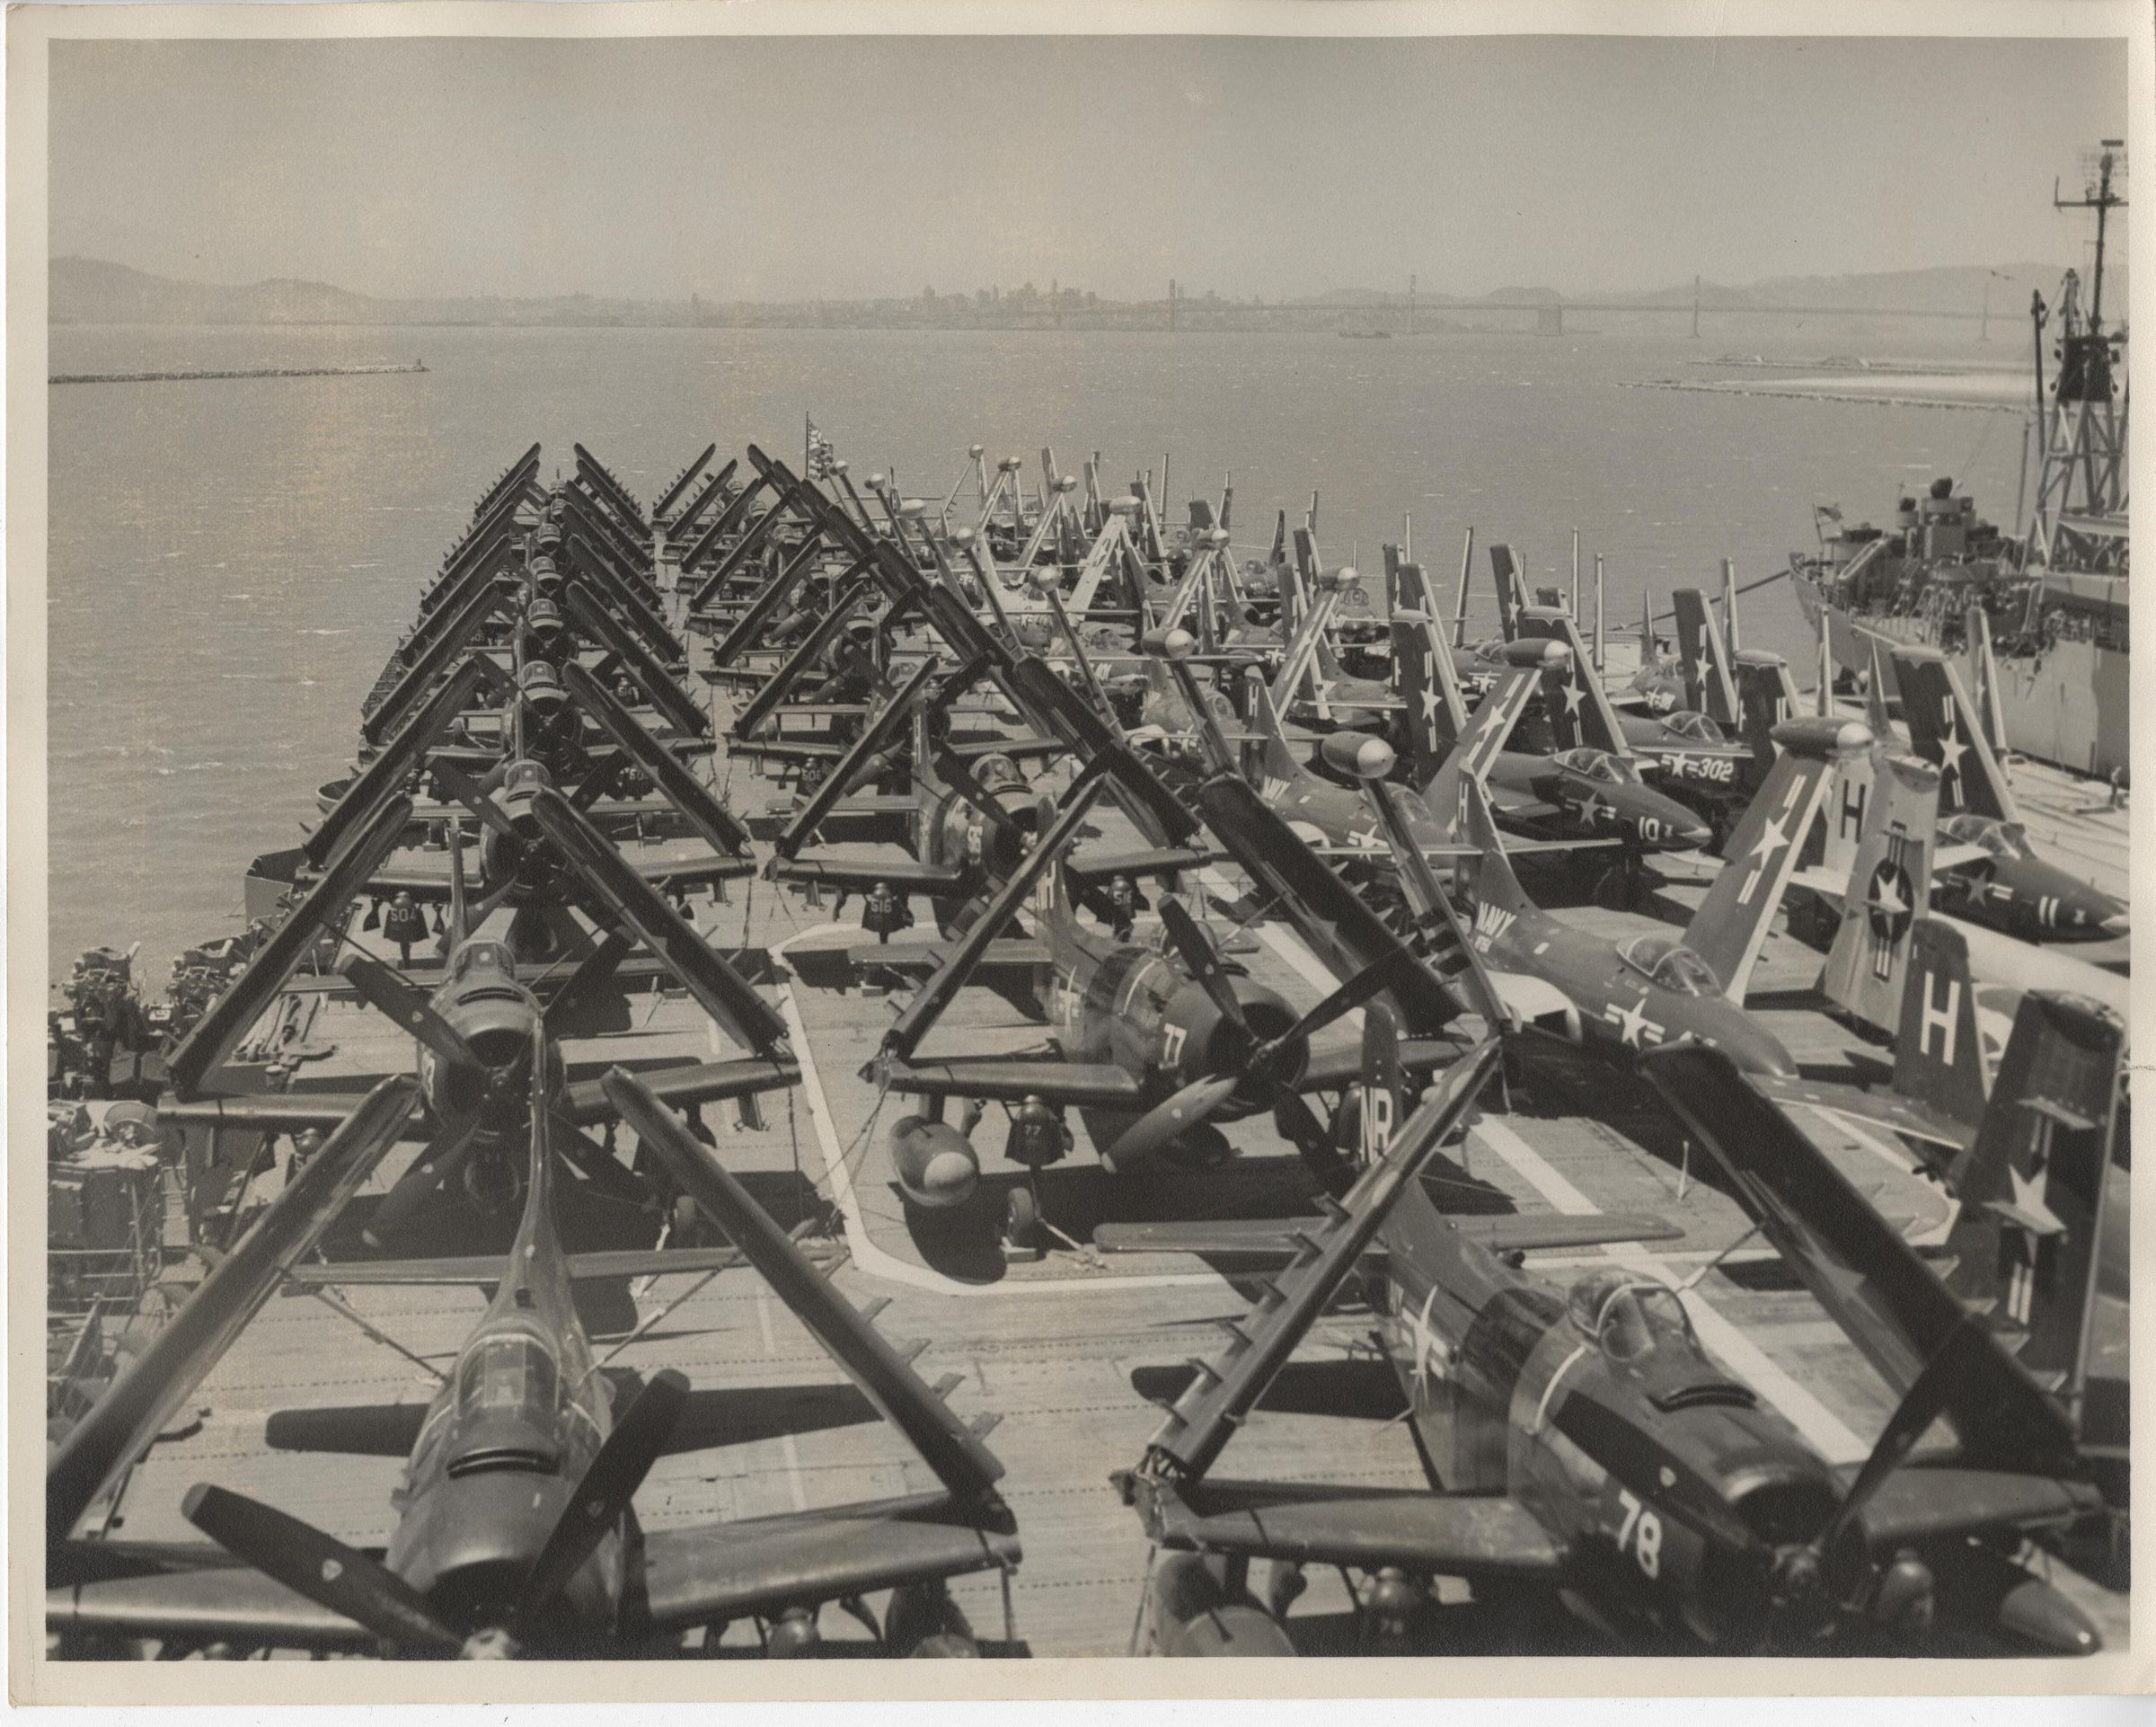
{"type": "Point", "coordinates": [1623, 887]}
{"type": "Point", "coordinates": [923, 1622]}
{"type": "Point", "coordinates": [1021, 1240]}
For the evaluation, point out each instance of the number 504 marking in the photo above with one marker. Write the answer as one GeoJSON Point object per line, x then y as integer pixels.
{"type": "Point", "coordinates": [1641, 1532]}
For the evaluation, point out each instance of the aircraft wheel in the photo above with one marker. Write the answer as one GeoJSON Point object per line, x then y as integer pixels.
{"type": "Point", "coordinates": [1021, 1217]}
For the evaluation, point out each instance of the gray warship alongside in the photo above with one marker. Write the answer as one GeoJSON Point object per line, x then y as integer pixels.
{"type": "Point", "coordinates": [2037, 618]}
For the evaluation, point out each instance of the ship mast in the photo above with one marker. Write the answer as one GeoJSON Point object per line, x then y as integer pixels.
{"type": "Point", "coordinates": [2080, 514]}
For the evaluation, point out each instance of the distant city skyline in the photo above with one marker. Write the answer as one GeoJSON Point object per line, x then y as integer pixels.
{"type": "Point", "coordinates": [779, 168]}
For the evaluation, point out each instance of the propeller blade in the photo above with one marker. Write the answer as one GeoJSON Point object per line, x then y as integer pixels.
{"type": "Point", "coordinates": [219, 1031]}
{"type": "Point", "coordinates": [657, 684]}
{"type": "Point", "coordinates": [721, 990]}
{"type": "Point", "coordinates": [320, 1567]}
{"type": "Point", "coordinates": [467, 791]}
{"type": "Point", "coordinates": [394, 763]}
{"type": "Point", "coordinates": [603, 1494]}
{"type": "Point", "coordinates": [946, 1444]}
{"type": "Point", "coordinates": [957, 774]}
{"type": "Point", "coordinates": [936, 992]}
{"type": "Point", "coordinates": [129, 1416]}
{"type": "Point", "coordinates": [605, 775]}
{"type": "Point", "coordinates": [1925, 1402]}
{"type": "Point", "coordinates": [606, 1173]}
{"type": "Point", "coordinates": [1369, 981]}
{"type": "Point", "coordinates": [1298, 1123]}
{"type": "Point", "coordinates": [711, 818]}
{"type": "Point", "coordinates": [398, 1000]}
{"type": "Point", "coordinates": [877, 732]}
{"type": "Point", "coordinates": [1197, 953]}
{"type": "Point", "coordinates": [443, 1158]}
{"type": "Point", "coordinates": [460, 919]}
{"type": "Point", "coordinates": [591, 975]}
{"type": "Point", "coordinates": [1163, 1124]}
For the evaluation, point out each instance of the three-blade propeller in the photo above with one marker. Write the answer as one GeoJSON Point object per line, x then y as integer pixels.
{"type": "Point", "coordinates": [1267, 1066]}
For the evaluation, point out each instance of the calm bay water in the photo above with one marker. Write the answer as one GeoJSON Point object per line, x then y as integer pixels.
{"type": "Point", "coordinates": [232, 561]}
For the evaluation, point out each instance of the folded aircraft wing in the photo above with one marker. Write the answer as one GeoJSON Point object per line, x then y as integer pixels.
{"type": "Point", "coordinates": [926, 956]}
{"type": "Point", "coordinates": [717, 1571]}
{"type": "Point", "coordinates": [222, 1604]}
{"type": "Point", "coordinates": [1876, 1109]}
{"type": "Point", "coordinates": [1270, 1241]}
{"type": "Point", "coordinates": [859, 874]}
{"type": "Point", "coordinates": [486, 1268]}
{"type": "Point", "coordinates": [1423, 1531]}
{"type": "Point", "coordinates": [279, 1112]}
{"type": "Point", "coordinates": [1082, 1085]}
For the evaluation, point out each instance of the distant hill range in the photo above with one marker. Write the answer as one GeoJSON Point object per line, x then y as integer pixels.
{"type": "Point", "coordinates": [89, 290]}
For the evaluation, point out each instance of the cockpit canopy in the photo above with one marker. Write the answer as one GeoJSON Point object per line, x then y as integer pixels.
{"type": "Point", "coordinates": [1626, 1318]}
{"type": "Point", "coordinates": [997, 772]}
{"type": "Point", "coordinates": [1413, 811]}
{"type": "Point", "coordinates": [525, 777]}
{"type": "Point", "coordinates": [1642, 1329]}
{"type": "Point", "coordinates": [481, 958]}
{"type": "Point", "coordinates": [1696, 727]}
{"type": "Point", "coordinates": [1599, 765]}
{"type": "Point", "coordinates": [1667, 962]}
{"type": "Point", "coordinates": [508, 1393]}
{"type": "Point", "coordinates": [2003, 839]}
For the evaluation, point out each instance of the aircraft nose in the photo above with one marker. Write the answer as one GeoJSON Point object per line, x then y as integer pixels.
{"type": "Point", "coordinates": [2119, 923]}
{"type": "Point", "coordinates": [1693, 838]}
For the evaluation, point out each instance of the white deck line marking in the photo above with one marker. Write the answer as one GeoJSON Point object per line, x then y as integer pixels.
{"type": "Point", "coordinates": [793, 1472]}
{"type": "Point", "coordinates": [1825, 1430]}
{"type": "Point", "coordinates": [871, 1258]}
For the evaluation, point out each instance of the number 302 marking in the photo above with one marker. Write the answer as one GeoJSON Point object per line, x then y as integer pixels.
{"type": "Point", "coordinates": [1641, 1531]}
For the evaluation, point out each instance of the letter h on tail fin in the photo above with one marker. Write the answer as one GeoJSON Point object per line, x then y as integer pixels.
{"type": "Point", "coordinates": [1889, 886]}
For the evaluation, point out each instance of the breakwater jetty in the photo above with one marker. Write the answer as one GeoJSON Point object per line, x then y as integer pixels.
{"type": "Point", "coordinates": [255, 371]}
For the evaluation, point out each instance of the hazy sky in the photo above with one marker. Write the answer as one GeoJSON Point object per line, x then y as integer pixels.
{"type": "Point", "coordinates": [782, 168]}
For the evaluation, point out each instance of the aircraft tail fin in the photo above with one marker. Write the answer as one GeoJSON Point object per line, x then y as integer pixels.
{"type": "Point", "coordinates": [1766, 695]}
{"type": "Point", "coordinates": [1280, 761]}
{"type": "Point", "coordinates": [1939, 1057]}
{"type": "Point", "coordinates": [1731, 925]}
{"type": "Point", "coordinates": [1511, 596]}
{"type": "Point", "coordinates": [1705, 656]}
{"type": "Point", "coordinates": [1593, 721]}
{"type": "Point", "coordinates": [1277, 556]}
{"type": "Point", "coordinates": [1984, 664]}
{"type": "Point", "coordinates": [1488, 728]}
{"type": "Point", "coordinates": [1227, 502]}
{"type": "Point", "coordinates": [1875, 692]}
{"type": "Point", "coordinates": [1495, 884]}
{"type": "Point", "coordinates": [2032, 1189]}
{"type": "Point", "coordinates": [1423, 662]}
{"type": "Point", "coordinates": [1327, 661]}
{"type": "Point", "coordinates": [1889, 885]}
{"type": "Point", "coordinates": [1378, 1101]}
{"type": "Point", "coordinates": [1944, 730]}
